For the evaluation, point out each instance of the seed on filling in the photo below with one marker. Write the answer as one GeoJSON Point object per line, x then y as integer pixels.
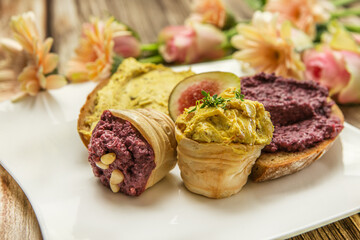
{"type": "Point", "coordinates": [114, 187]}
{"type": "Point", "coordinates": [116, 177]}
{"type": "Point", "coordinates": [108, 158]}
{"type": "Point", "coordinates": [101, 165]}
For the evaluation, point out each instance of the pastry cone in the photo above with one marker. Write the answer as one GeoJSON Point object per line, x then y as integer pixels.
{"type": "Point", "coordinates": [212, 169]}
{"type": "Point", "coordinates": [158, 130]}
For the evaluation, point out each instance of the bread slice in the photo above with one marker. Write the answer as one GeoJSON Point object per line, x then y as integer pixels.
{"type": "Point", "coordinates": [150, 83]}
{"type": "Point", "coordinates": [274, 165]}
{"type": "Point", "coordinates": [86, 110]}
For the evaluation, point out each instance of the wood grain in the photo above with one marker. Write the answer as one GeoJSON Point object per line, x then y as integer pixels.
{"type": "Point", "coordinates": [17, 218]}
{"type": "Point", "coordinates": [9, 8]}
{"type": "Point", "coordinates": [62, 20]}
{"type": "Point", "coordinates": [351, 114]}
{"type": "Point", "coordinates": [137, 14]}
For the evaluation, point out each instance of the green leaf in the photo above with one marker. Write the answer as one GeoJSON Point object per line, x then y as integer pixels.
{"type": "Point", "coordinates": [230, 21]}
{"type": "Point", "coordinates": [192, 110]}
{"type": "Point", "coordinates": [339, 3]}
{"type": "Point", "coordinates": [320, 29]}
{"type": "Point", "coordinates": [256, 4]}
{"type": "Point", "coordinates": [117, 60]}
{"type": "Point", "coordinates": [345, 13]}
{"type": "Point", "coordinates": [149, 47]}
{"type": "Point", "coordinates": [353, 28]}
{"type": "Point", "coordinates": [152, 59]}
{"type": "Point", "coordinates": [215, 100]}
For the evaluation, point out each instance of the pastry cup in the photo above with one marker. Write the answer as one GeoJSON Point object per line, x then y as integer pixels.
{"type": "Point", "coordinates": [212, 169]}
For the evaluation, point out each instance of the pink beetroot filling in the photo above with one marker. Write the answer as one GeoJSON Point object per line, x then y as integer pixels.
{"type": "Point", "coordinates": [300, 111]}
{"type": "Point", "coordinates": [134, 155]}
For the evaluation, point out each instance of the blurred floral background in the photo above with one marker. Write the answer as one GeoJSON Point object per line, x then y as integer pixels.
{"type": "Point", "coordinates": [315, 40]}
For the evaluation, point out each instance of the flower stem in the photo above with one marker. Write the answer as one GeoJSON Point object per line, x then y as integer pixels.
{"type": "Point", "coordinates": [256, 4]}
{"type": "Point", "coordinates": [226, 45]}
{"type": "Point", "coordinates": [339, 3]}
{"type": "Point", "coordinates": [346, 13]}
{"type": "Point", "coordinates": [353, 28]}
{"type": "Point", "coordinates": [152, 59]}
{"type": "Point", "coordinates": [149, 47]}
{"type": "Point", "coordinates": [226, 57]}
{"type": "Point", "coordinates": [230, 33]}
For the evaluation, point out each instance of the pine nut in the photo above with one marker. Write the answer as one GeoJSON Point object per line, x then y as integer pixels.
{"type": "Point", "coordinates": [114, 187]}
{"type": "Point", "coordinates": [116, 177]}
{"type": "Point", "coordinates": [101, 165]}
{"type": "Point", "coordinates": [108, 158]}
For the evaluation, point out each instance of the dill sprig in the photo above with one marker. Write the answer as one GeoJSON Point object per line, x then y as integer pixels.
{"type": "Point", "coordinates": [215, 100]}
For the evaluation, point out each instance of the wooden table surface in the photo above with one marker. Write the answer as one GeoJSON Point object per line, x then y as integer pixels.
{"type": "Point", "coordinates": [62, 20]}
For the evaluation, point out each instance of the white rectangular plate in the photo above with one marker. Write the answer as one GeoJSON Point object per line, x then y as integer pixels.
{"type": "Point", "coordinates": [41, 149]}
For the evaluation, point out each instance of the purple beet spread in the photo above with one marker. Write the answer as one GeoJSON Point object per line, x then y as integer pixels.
{"type": "Point", "coordinates": [299, 111]}
{"type": "Point", "coordinates": [134, 155]}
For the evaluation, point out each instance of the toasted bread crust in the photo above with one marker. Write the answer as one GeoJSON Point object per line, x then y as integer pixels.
{"type": "Point", "coordinates": [87, 109]}
{"type": "Point", "coordinates": [129, 70]}
{"type": "Point", "coordinates": [274, 165]}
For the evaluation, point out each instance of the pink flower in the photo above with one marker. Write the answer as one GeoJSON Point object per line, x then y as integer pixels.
{"type": "Point", "coordinates": [179, 44]}
{"type": "Point", "coordinates": [351, 92]}
{"type": "Point", "coordinates": [191, 43]}
{"type": "Point", "coordinates": [326, 67]}
{"type": "Point", "coordinates": [126, 46]}
{"type": "Point", "coordinates": [339, 71]}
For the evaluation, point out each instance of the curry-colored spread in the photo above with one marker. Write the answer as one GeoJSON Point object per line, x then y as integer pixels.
{"type": "Point", "coordinates": [135, 85]}
{"type": "Point", "coordinates": [242, 121]}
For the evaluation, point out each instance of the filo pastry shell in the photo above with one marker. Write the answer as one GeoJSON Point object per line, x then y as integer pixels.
{"type": "Point", "coordinates": [212, 169]}
{"type": "Point", "coordinates": [158, 130]}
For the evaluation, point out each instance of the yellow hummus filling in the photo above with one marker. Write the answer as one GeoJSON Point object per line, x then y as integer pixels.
{"type": "Point", "coordinates": [135, 85]}
{"type": "Point", "coordinates": [242, 121]}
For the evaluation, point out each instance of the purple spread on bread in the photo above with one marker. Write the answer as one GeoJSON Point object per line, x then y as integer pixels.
{"type": "Point", "coordinates": [300, 111]}
{"type": "Point", "coordinates": [134, 155]}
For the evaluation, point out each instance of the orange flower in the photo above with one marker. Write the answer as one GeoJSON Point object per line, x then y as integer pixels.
{"type": "Point", "coordinates": [269, 49]}
{"type": "Point", "coordinates": [209, 11]}
{"type": "Point", "coordinates": [36, 75]}
{"type": "Point", "coordinates": [25, 31]}
{"type": "Point", "coordinates": [304, 14]}
{"type": "Point", "coordinates": [99, 42]}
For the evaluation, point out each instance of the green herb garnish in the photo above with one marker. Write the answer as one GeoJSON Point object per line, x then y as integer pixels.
{"type": "Point", "coordinates": [238, 95]}
{"type": "Point", "coordinates": [215, 101]}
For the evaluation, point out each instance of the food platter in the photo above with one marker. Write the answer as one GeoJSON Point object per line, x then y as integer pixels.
{"type": "Point", "coordinates": [41, 149]}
